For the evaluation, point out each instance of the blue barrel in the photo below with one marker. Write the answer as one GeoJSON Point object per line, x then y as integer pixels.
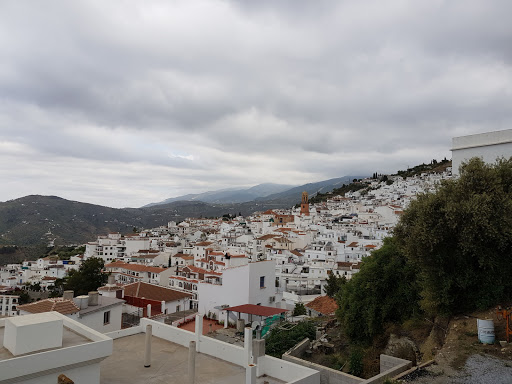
{"type": "Point", "coordinates": [485, 331]}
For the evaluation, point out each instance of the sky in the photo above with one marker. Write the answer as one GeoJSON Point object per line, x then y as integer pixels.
{"type": "Point", "coordinates": [122, 103]}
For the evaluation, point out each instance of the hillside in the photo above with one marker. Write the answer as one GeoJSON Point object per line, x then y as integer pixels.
{"type": "Point", "coordinates": [38, 219]}
{"type": "Point", "coordinates": [34, 220]}
{"type": "Point", "coordinates": [433, 166]}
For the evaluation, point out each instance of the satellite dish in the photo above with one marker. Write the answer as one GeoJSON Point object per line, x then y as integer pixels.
{"type": "Point", "coordinates": [255, 325]}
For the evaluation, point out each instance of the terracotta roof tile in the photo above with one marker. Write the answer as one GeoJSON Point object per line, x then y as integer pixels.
{"type": "Point", "coordinates": [134, 267]}
{"type": "Point", "coordinates": [193, 268]}
{"type": "Point", "coordinates": [203, 244]}
{"type": "Point", "coordinates": [58, 304]}
{"type": "Point", "coordinates": [154, 292]}
{"type": "Point", "coordinates": [324, 305]}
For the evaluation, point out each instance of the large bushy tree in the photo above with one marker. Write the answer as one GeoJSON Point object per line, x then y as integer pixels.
{"type": "Point", "coordinates": [460, 239]}
{"type": "Point", "coordinates": [334, 284]}
{"type": "Point", "coordinates": [384, 291]}
{"type": "Point", "coordinates": [88, 277]}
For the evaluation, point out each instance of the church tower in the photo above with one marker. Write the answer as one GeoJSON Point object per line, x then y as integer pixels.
{"type": "Point", "coordinates": [304, 205]}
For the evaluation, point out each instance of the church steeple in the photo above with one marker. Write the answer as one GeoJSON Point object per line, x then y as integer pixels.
{"type": "Point", "coordinates": [304, 206]}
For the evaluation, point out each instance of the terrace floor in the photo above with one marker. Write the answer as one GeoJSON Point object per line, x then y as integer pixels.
{"type": "Point", "coordinates": [169, 364]}
{"type": "Point", "coordinates": [191, 326]}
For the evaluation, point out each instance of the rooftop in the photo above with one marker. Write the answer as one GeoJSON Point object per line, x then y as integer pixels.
{"type": "Point", "coordinates": [69, 339]}
{"type": "Point", "coordinates": [58, 304]}
{"type": "Point", "coordinates": [323, 304]}
{"type": "Point", "coordinates": [154, 292]}
{"type": "Point", "coordinates": [169, 364]}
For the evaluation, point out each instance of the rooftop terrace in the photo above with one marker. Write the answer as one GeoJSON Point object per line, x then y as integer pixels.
{"type": "Point", "coordinates": [169, 364]}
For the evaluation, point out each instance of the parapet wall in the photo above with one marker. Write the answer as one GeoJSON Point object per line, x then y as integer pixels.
{"type": "Point", "coordinates": [327, 375]}
{"type": "Point", "coordinates": [389, 367]}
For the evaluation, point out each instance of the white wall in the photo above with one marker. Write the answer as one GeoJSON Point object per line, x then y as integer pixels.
{"type": "Point", "coordinates": [261, 295]}
{"type": "Point", "coordinates": [240, 285]}
{"type": "Point", "coordinates": [488, 146]}
{"type": "Point", "coordinates": [84, 358]}
{"type": "Point", "coordinates": [95, 320]}
{"type": "Point", "coordinates": [266, 365]}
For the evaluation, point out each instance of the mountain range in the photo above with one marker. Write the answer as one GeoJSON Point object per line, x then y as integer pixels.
{"type": "Point", "coordinates": [36, 219]}
{"type": "Point", "coordinates": [231, 195]}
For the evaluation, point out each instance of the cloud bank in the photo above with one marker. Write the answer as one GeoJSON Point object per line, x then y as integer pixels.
{"type": "Point", "coordinates": [122, 103]}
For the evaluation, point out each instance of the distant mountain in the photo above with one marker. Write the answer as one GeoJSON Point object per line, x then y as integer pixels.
{"type": "Point", "coordinates": [229, 196]}
{"type": "Point", "coordinates": [34, 220]}
{"type": "Point", "coordinates": [293, 195]}
{"type": "Point", "coordinates": [39, 219]}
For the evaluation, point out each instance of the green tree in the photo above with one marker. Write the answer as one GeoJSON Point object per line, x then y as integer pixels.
{"type": "Point", "coordinates": [299, 309]}
{"type": "Point", "coordinates": [460, 239]}
{"type": "Point", "coordinates": [36, 287]}
{"type": "Point", "coordinates": [24, 296]}
{"type": "Point", "coordinates": [384, 291]}
{"type": "Point", "coordinates": [334, 284]}
{"type": "Point", "coordinates": [88, 277]}
{"type": "Point", "coordinates": [281, 339]}
{"type": "Point", "coordinates": [57, 289]}
{"type": "Point", "coordinates": [356, 362]}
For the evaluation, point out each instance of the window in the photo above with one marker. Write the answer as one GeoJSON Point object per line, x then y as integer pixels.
{"type": "Point", "coordinates": [262, 281]}
{"type": "Point", "coordinates": [106, 318]}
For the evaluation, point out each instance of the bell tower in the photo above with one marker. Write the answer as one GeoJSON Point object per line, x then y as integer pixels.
{"type": "Point", "coordinates": [304, 205]}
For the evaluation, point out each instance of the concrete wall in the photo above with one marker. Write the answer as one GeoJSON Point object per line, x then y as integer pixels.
{"type": "Point", "coordinates": [167, 332]}
{"type": "Point", "coordinates": [389, 367]}
{"type": "Point", "coordinates": [300, 348]}
{"type": "Point", "coordinates": [287, 371]}
{"type": "Point", "coordinates": [327, 375]}
{"type": "Point", "coordinates": [488, 146]}
{"type": "Point", "coordinates": [125, 332]}
{"type": "Point", "coordinates": [225, 351]}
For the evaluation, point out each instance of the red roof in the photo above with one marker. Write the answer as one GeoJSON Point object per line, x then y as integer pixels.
{"type": "Point", "coordinates": [323, 304]}
{"type": "Point", "coordinates": [258, 310]}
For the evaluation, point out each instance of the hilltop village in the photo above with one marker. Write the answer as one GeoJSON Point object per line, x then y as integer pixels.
{"type": "Point", "coordinates": [276, 258]}
{"type": "Point", "coordinates": [251, 294]}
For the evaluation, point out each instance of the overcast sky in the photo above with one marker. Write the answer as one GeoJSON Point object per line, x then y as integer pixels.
{"type": "Point", "coordinates": [123, 103]}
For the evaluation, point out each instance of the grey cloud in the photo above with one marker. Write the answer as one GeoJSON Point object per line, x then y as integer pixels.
{"type": "Point", "coordinates": [202, 95]}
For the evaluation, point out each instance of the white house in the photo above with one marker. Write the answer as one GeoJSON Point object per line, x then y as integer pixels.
{"type": "Point", "coordinates": [253, 283]}
{"type": "Point", "coordinates": [103, 314]}
{"type": "Point", "coordinates": [162, 299]}
{"type": "Point", "coordinates": [130, 273]}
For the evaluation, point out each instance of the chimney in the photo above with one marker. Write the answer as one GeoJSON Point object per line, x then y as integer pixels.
{"type": "Point", "coordinates": [68, 295]}
{"type": "Point", "coordinates": [93, 298]}
{"type": "Point", "coordinates": [111, 280]}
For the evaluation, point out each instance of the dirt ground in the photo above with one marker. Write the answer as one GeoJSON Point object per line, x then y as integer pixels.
{"type": "Point", "coordinates": [452, 344]}
{"type": "Point", "coordinates": [462, 358]}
